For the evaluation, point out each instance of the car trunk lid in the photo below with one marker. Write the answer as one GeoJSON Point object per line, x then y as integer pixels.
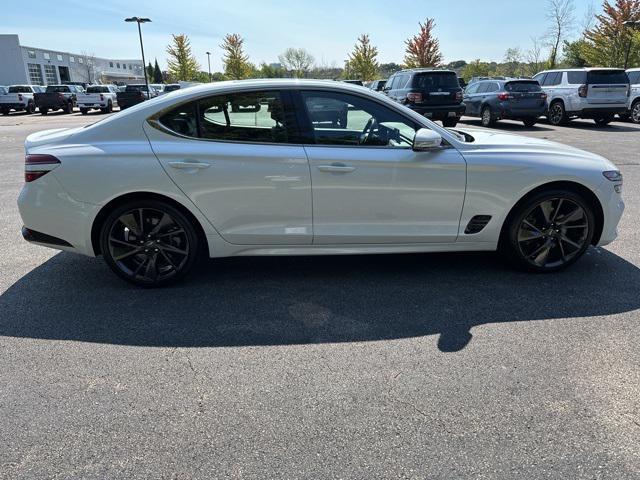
{"type": "Point", "coordinates": [437, 88]}
{"type": "Point", "coordinates": [607, 87]}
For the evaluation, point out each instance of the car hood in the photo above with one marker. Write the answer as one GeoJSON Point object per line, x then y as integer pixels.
{"type": "Point", "coordinates": [49, 137]}
{"type": "Point", "coordinates": [504, 142]}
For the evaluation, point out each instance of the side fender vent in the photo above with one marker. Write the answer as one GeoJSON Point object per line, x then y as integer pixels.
{"type": "Point", "coordinates": [476, 224]}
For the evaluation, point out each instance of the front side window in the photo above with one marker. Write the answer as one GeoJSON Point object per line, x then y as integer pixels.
{"type": "Point", "coordinates": [256, 117]}
{"type": "Point", "coordinates": [349, 120]}
{"type": "Point", "coordinates": [473, 88]}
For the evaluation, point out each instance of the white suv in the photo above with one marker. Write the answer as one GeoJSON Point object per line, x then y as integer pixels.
{"type": "Point", "coordinates": [597, 93]}
{"type": "Point", "coordinates": [634, 99]}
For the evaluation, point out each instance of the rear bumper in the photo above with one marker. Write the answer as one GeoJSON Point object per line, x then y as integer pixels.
{"type": "Point", "coordinates": [13, 106]}
{"type": "Point", "coordinates": [507, 112]}
{"type": "Point", "coordinates": [439, 112]}
{"type": "Point", "coordinates": [43, 239]}
{"type": "Point", "coordinates": [594, 112]}
{"type": "Point", "coordinates": [92, 105]}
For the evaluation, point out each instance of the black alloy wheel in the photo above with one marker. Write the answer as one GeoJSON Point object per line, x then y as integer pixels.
{"type": "Point", "coordinates": [550, 232]}
{"type": "Point", "coordinates": [557, 115]}
{"type": "Point", "coordinates": [149, 243]}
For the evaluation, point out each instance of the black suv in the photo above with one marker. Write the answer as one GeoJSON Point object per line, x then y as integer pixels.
{"type": "Point", "coordinates": [494, 100]}
{"type": "Point", "coordinates": [436, 94]}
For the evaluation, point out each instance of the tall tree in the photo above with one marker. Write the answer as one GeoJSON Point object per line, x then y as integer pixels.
{"type": "Point", "coordinates": [611, 42]}
{"type": "Point", "coordinates": [181, 63]}
{"type": "Point", "coordinates": [297, 60]}
{"type": "Point", "coordinates": [512, 65]}
{"type": "Point", "coordinates": [236, 62]}
{"type": "Point", "coordinates": [362, 61]}
{"type": "Point", "coordinates": [561, 15]}
{"type": "Point", "coordinates": [157, 73]}
{"type": "Point", "coordinates": [423, 50]}
{"type": "Point", "coordinates": [476, 68]}
{"type": "Point", "coordinates": [574, 53]}
{"type": "Point", "coordinates": [150, 72]}
{"type": "Point", "coordinates": [534, 57]}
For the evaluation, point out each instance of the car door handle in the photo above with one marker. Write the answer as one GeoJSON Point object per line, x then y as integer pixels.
{"type": "Point", "coordinates": [189, 165]}
{"type": "Point", "coordinates": [336, 168]}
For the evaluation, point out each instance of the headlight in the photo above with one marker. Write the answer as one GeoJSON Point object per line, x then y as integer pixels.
{"type": "Point", "coordinates": [613, 175]}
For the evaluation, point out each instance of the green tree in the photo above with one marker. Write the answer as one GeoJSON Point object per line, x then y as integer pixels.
{"type": "Point", "coordinates": [297, 60]}
{"type": "Point", "coordinates": [150, 72]}
{"type": "Point", "coordinates": [512, 66]}
{"type": "Point", "coordinates": [611, 42]}
{"type": "Point", "coordinates": [362, 63]}
{"type": "Point", "coordinates": [388, 69]}
{"type": "Point", "coordinates": [181, 63]}
{"type": "Point", "coordinates": [573, 53]}
{"type": "Point", "coordinates": [270, 71]}
{"type": "Point", "coordinates": [476, 68]}
{"type": "Point", "coordinates": [423, 50]}
{"type": "Point", "coordinates": [236, 62]}
{"type": "Point", "coordinates": [157, 73]}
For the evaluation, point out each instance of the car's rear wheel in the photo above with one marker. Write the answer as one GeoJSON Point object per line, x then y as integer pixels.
{"type": "Point", "coordinates": [635, 112]}
{"type": "Point", "coordinates": [530, 122]}
{"type": "Point", "coordinates": [557, 114]}
{"type": "Point", "coordinates": [149, 243]}
{"type": "Point", "coordinates": [69, 107]}
{"type": "Point", "coordinates": [43, 111]}
{"type": "Point", "coordinates": [449, 122]}
{"type": "Point", "coordinates": [549, 232]}
{"type": "Point", "coordinates": [84, 111]}
{"type": "Point", "coordinates": [487, 118]}
{"type": "Point", "coordinates": [5, 111]}
{"type": "Point", "coordinates": [31, 108]}
{"type": "Point", "coordinates": [601, 121]}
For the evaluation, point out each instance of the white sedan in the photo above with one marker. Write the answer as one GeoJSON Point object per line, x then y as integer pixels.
{"type": "Point", "coordinates": [290, 167]}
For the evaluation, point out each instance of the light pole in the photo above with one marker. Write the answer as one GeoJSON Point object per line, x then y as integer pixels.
{"type": "Point", "coordinates": [209, 63]}
{"type": "Point", "coordinates": [632, 24]}
{"type": "Point", "coordinates": [139, 20]}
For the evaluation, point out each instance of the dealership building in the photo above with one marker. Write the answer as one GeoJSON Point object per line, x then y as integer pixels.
{"type": "Point", "coordinates": [22, 65]}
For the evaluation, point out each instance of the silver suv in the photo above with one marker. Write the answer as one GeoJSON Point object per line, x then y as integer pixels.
{"type": "Point", "coordinates": [634, 99]}
{"type": "Point", "coordinates": [597, 93]}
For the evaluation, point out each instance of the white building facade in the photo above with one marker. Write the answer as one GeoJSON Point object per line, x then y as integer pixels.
{"type": "Point", "coordinates": [21, 65]}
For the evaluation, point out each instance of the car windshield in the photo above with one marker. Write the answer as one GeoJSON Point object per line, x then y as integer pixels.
{"type": "Point", "coordinates": [607, 76]}
{"type": "Point", "coordinates": [431, 80]}
{"type": "Point", "coordinates": [57, 89]}
{"type": "Point", "coordinates": [532, 86]}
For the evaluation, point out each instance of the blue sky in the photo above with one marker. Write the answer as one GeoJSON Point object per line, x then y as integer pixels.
{"type": "Point", "coordinates": [467, 29]}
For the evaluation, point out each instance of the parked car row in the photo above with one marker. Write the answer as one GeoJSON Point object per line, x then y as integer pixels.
{"type": "Point", "coordinates": [29, 98]}
{"type": "Point", "coordinates": [559, 95]}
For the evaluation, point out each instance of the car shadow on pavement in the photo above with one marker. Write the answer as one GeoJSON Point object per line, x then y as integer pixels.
{"type": "Point", "coordinates": [509, 125]}
{"type": "Point", "coordinates": [303, 300]}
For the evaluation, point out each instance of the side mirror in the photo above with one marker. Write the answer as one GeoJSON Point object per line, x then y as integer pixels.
{"type": "Point", "coordinates": [426, 140]}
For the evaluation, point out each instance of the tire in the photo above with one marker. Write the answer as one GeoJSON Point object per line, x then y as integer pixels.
{"type": "Point", "coordinates": [149, 258]}
{"type": "Point", "coordinates": [43, 111]}
{"type": "Point", "coordinates": [109, 107]}
{"type": "Point", "coordinates": [486, 117]}
{"type": "Point", "coordinates": [31, 108]}
{"type": "Point", "coordinates": [557, 114]}
{"type": "Point", "coordinates": [5, 111]}
{"type": "Point", "coordinates": [68, 107]}
{"type": "Point", "coordinates": [84, 111]}
{"type": "Point", "coordinates": [602, 121]}
{"type": "Point", "coordinates": [536, 241]}
{"type": "Point", "coordinates": [530, 122]}
{"type": "Point", "coordinates": [635, 112]}
{"type": "Point", "coordinates": [449, 122]}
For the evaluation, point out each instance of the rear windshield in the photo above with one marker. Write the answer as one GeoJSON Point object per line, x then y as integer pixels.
{"type": "Point", "coordinates": [19, 89]}
{"type": "Point", "coordinates": [97, 89]}
{"type": "Point", "coordinates": [136, 88]}
{"type": "Point", "coordinates": [430, 80]}
{"type": "Point", "coordinates": [523, 87]}
{"type": "Point", "coordinates": [57, 89]}
{"type": "Point", "coordinates": [171, 88]}
{"type": "Point", "coordinates": [607, 76]}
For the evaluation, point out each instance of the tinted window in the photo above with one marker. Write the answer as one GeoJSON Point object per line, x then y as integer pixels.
{"type": "Point", "coordinates": [136, 88]}
{"type": "Point", "coordinates": [607, 76]}
{"type": "Point", "coordinates": [634, 77]}
{"type": "Point", "coordinates": [522, 87]}
{"type": "Point", "coordinates": [343, 119]}
{"type": "Point", "coordinates": [182, 120]}
{"type": "Point", "coordinates": [435, 80]}
{"type": "Point", "coordinates": [540, 78]}
{"type": "Point", "coordinates": [57, 89]}
{"type": "Point", "coordinates": [577, 78]}
{"type": "Point", "coordinates": [552, 78]}
{"type": "Point", "coordinates": [492, 87]}
{"type": "Point", "coordinates": [171, 88]}
{"type": "Point", "coordinates": [97, 89]}
{"type": "Point", "coordinates": [472, 89]}
{"type": "Point", "coordinates": [483, 87]}
{"type": "Point", "coordinates": [245, 117]}
{"type": "Point", "coordinates": [19, 89]}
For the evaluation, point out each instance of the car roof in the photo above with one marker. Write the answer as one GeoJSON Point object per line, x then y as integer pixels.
{"type": "Point", "coordinates": [633, 70]}
{"type": "Point", "coordinates": [585, 69]}
{"type": "Point", "coordinates": [426, 70]}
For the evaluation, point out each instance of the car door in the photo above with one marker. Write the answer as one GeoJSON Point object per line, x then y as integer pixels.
{"type": "Point", "coordinates": [235, 156]}
{"type": "Point", "coordinates": [471, 99]}
{"type": "Point", "coordinates": [369, 185]}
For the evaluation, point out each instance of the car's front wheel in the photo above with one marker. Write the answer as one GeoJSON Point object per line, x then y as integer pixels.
{"type": "Point", "coordinates": [149, 243]}
{"type": "Point", "coordinates": [549, 231]}
{"type": "Point", "coordinates": [557, 114]}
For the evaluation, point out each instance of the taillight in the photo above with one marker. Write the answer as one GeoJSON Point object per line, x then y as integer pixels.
{"type": "Point", "coordinates": [101, 97]}
{"type": "Point", "coordinates": [38, 165]}
{"type": "Point", "coordinates": [543, 96]}
{"type": "Point", "coordinates": [415, 97]}
{"type": "Point", "coordinates": [60, 96]}
{"type": "Point", "coordinates": [19, 97]}
{"type": "Point", "coordinates": [458, 96]}
{"type": "Point", "coordinates": [502, 96]}
{"type": "Point", "coordinates": [583, 91]}
{"type": "Point", "coordinates": [142, 95]}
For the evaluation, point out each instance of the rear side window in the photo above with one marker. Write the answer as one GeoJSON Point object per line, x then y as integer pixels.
{"type": "Point", "coordinates": [577, 78]}
{"type": "Point", "coordinates": [435, 80]}
{"type": "Point", "coordinates": [241, 117]}
{"type": "Point", "coordinates": [634, 77]}
{"type": "Point", "coordinates": [607, 76]}
{"type": "Point", "coordinates": [523, 87]}
{"type": "Point", "coordinates": [552, 79]}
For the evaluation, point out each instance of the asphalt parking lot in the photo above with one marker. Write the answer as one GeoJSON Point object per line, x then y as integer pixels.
{"type": "Point", "coordinates": [414, 366]}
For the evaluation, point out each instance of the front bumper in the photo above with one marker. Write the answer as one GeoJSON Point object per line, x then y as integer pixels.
{"type": "Point", "coordinates": [613, 208]}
